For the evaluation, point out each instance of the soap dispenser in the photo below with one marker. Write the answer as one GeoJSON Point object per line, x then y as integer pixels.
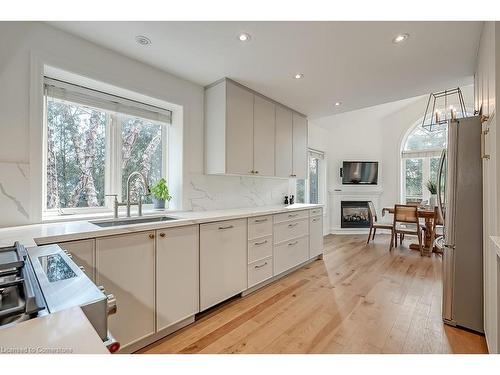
{"type": "Point", "coordinates": [286, 199]}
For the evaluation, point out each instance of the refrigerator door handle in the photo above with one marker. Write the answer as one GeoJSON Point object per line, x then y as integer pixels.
{"type": "Point", "coordinates": [439, 183]}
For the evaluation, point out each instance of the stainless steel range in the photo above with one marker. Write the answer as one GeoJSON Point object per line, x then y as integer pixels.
{"type": "Point", "coordinates": [44, 279]}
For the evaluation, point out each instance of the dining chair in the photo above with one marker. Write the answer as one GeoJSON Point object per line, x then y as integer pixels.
{"type": "Point", "coordinates": [406, 222]}
{"type": "Point", "coordinates": [374, 223]}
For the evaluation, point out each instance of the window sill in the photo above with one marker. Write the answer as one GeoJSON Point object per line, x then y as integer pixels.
{"type": "Point", "coordinates": [51, 217]}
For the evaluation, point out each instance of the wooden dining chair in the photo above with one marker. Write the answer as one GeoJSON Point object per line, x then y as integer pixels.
{"type": "Point", "coordinates": [374, 224]}
{"type": "Point", "coordinates": [405, 222]}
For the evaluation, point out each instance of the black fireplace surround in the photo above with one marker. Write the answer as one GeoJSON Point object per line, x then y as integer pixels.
{"type": "Point", "coordinates": [354, 214]}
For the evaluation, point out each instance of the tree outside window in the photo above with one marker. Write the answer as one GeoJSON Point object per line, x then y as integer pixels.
{"type": "Point", "coordinates": [81, 154]}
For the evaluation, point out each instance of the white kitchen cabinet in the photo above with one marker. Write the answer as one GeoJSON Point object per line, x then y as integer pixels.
{"type": "Point", "coordinates": [263, 136]}
{"type": "Point", "coordinates": [260, 226]}
{"type": "Point", "coordinates": [83, 253]}
{"type": "Point", "coordinates": [315, 236]}
{"type": "Point", "coordinates": [260, 271]}
{"type": "Point", "coordinates": [239, 130]}
{"type": "Point", "coordinates": [290, 253]}
{"type": "Point", "coordinates": [284, 142]}
{"type": "Point", "coordinates": [291, 229]}
{"type": "Point", "coordinates": [229, 129]}
{"type": "Point", "coordinates": [299, 161]}
{"type": "Point", "coordinates": [223, 261]}
{"type": "Point", "coordinates": [249, 134]}
{"type": "Point", "coordinates": [125, 266]}
{"type": "Point", "coordinates": [177, 283]}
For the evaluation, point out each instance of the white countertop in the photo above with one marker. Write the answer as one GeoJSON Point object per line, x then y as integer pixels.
{"type": "Point", "coordinates": [496, 241]}
{"type": "Point", "coordinates": [31, 235]}
{"type": "Point", "coordinates": [64, 332]}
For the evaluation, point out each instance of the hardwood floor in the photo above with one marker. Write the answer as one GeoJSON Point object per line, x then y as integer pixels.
{"type": "Point", "coordinates": [359, 299]}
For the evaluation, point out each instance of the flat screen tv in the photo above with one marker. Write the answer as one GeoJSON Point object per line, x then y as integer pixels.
{"type": "Point", "coordinates": [360, 172]}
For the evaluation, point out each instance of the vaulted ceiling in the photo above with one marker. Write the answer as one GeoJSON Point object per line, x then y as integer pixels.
{"type": "Point", "coordinates": [355, 63]}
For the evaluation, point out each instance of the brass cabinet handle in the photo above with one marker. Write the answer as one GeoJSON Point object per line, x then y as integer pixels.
{"type": "Point", "coordinates": [292, 215]}
{"type": "Point", "coordinates": [260, 266]}
{"type": "Point", "coordinates": [151, 236]}
{"type": "Point", "coordinates": [293, 225]}
{"type": "Point", "coordinates": [255, 171]}
{"type": "Point", "coordinates": [228, 227]}
{"type": "Point", "coordinates": [260, 243]}
{"type": "Point", "coordinates": [315, 220]}
{"type": "Point", "coordinates": [293, 243]}
{"type": "Point", "coordinates": [162, 234]}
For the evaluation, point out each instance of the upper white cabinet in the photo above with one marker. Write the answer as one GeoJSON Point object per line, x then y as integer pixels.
{"type": "Point", "coordinates": [249, 134]}
{"type": "Point", "coordinates": [284, 141]}
{"type": "Point", "coordinates": [239, 130]}
{"type": "Point", "coordinates": [263, 136]}
{"type": "Point", "coordinates": [299, 159]}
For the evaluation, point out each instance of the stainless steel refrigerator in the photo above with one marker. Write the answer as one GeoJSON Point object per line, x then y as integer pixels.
{"type": "Point", "coordinates": [461, 206]}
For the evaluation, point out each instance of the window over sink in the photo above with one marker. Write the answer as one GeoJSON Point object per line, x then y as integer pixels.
{"type": "Point", "coordinates": [93, 141]}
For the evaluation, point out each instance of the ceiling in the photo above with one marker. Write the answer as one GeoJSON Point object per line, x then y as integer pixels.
{"type": "Point", "coordinates": [355, 63]}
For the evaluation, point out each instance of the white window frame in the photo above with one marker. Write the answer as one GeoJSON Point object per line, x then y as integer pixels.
{"type": "Point", "coordinates": [321, 177]}
{"type": "Point", "coordinates": [112, 176]}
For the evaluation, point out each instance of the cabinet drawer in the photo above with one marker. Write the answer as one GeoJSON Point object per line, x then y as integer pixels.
{"type": "Point", "coordinates": [290, 229]}
{"type": "Point", "coordinates": [260, 226]}
{"type": "Point", "coordinates": [260, 271]}
{"type": "Point", "coordinates": [315, 236]}
{"type": "Point", "coordinates": [290, 254]}
{"type": "Point", "coordinates": [316, 212]}
{"type": "Point", "coordinates": [260, 248]}
{"type": "Point", "coordinates": [293, 215]}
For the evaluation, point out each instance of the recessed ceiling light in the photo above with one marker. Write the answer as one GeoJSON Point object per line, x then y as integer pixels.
{"type": "Point", "coordinates": [244, 37]}
{"type": "Point", "coordinates": [400, 38]}
{"type": "Point", "coordinates": [298, 76]}
{"type": "Point", "coordinates": [337, 104]}
{"type": "Point", "coordinates": [143, 40]}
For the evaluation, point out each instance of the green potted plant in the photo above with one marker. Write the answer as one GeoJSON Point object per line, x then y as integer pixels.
{"type": "Point", "coordinates": [160, 194]}
{"type": "Point", "coordinates": [432, 187]}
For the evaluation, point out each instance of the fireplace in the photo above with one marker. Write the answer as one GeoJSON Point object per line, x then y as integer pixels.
{"type": "Point", "coordinates": [354, 214]}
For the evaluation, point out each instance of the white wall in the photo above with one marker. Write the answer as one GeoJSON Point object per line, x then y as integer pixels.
{"type": "Point", "coordinates": [375, 134]}
{"type": "Point", "coordinates": [24, 43]}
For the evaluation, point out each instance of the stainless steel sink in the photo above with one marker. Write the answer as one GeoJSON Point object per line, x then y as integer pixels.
{"type": "Point", "coordinates": [131, 221]}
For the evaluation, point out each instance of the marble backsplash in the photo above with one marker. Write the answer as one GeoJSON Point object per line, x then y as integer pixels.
{"type": "Point", "coordinates": [210, 192]}
{"type": "Point", "coordinates": [14, 194]}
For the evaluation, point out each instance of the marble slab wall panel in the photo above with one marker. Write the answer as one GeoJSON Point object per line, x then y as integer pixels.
{"type": "Point", "coordinates": [14, 194]}
{"type": "Point", "coordinates": [210, 192]}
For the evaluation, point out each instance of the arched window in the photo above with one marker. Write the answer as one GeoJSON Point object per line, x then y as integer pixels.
{"type": "Point", "coordinates": [420, 152]}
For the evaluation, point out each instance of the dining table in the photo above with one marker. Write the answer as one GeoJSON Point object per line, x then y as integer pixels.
{"type": "Point", "coordinates": [428, 215]}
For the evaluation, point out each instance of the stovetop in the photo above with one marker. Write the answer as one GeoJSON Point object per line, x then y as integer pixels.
{"type": "Point", "coordinates": [20, 294]}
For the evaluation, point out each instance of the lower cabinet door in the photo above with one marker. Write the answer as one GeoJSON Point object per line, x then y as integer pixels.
{"type": "Point", "coordinates": [126, 267]}
{"type": "Point", "coordinates": [290, 253]}
{"type": "Point", "coordinates": [223, 261]}
{"type": "Point", "coordinates": [315, 236]}
{"type": "Point", "coordinates": [177, 284]}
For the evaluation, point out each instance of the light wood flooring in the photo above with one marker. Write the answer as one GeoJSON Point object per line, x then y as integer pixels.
{"type": "Point", "coordinates": [359, 299]}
